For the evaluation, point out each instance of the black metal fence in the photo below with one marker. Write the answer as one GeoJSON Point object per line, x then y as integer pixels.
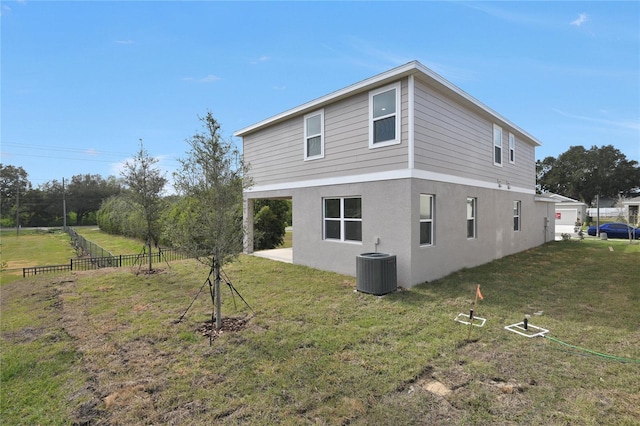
{"type": "Point", "coordinates": [123, 260]}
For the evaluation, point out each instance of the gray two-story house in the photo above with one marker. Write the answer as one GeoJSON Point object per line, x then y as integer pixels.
{"type": "Point", "coordinates": [403, 163]}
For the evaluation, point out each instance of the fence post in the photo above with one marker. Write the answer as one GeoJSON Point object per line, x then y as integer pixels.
{"type": "Point", "coordinates": [71, 264]}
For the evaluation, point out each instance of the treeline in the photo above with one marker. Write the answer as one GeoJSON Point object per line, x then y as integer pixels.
{"type": "Point", "coordinates": [120, 217]}
{"type": "Point", "coordinates": [583, 174]}
{"type": "Point", "coordinates": [81, 196]}
{"type": "Point", "coordinates": [94, 200]}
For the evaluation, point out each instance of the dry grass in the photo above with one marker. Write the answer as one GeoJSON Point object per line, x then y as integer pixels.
{"type": "Point", "coordinates": [105, 346]}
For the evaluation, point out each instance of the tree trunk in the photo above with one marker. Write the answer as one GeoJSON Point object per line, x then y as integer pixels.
{"type": "Point", "coordinates": [150, 257]}
{"type": "Point", "coordinates": [217, 291]}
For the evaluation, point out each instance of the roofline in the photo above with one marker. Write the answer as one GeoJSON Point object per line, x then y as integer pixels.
{"type": "Point", "coordinates": [563, 199]}
{"type": "Point", "coordinates": [413, 67]}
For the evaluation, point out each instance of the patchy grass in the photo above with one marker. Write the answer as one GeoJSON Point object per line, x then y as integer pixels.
{"type": "Point", "coordinates": [105, 346]}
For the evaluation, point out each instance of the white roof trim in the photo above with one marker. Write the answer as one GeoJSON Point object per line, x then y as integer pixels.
{"type": "Point", "coordinates": [386, 176]}
{"type": "Point", "coordinates": [413, 67]}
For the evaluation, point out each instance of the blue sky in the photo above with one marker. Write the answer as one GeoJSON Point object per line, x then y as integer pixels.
{"type": "Point", "coordinates": [83, 82]}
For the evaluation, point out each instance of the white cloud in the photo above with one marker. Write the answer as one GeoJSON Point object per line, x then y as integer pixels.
{"type": "Point", "coordinates": [124, 42]}
{"type": "Point", "coordinates": [505, 14]}
{"type": "Point", "coordinates": [117, 168]}
{"type": "Point", "coordinates": [621, 123]}
{"type": "Point", "coordinates": [262, 58]}
{"type": "Point", "coordinates": [582, 18]}
{"type": "Point", "coordinates": [208, 79]}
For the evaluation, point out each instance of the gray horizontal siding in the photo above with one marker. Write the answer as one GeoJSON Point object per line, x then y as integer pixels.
{"type": "Point", "coordinates": [453, 139]}
{"type": "Point", "coordinates": [276, 154]}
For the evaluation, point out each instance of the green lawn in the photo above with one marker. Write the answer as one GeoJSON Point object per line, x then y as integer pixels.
{"type": "Point", "coordinates": [116, 244]}
{"type": "Point", "coordinates": [36, 247]}
{"type": "Point", "coordinates": [104, 347]}
{"type": "Point", "coordinates": [33, 248]}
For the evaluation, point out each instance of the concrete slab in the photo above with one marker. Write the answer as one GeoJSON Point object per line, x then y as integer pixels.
{"type": "Point", "coordinates": [281, 255]}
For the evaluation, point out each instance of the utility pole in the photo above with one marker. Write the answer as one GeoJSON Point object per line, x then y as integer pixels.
{"type": "Point", "coordinates": [64, 208]}
{"type": "Point", "coordinates": [598, 213]}
{"type": "Point", "coordinates": [18, 210]}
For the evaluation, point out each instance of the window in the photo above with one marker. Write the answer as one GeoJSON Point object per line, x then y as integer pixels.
{"type": "Point", "coordinates": [426, 219]}
{"type": "Point", "coordinates": [314, 135]}
{"type": "Point", "coordinates": [516, 215]}
{"type": "Point", "coordinates": [384, 116]}
{"type": "Point", "coordinates": [343, 219]}
{"type": "Point", "coordinates": [512, 148]}
{"type": "Point", "coordinates": [497, 145]}
{"type": "Point", "coordinates": [471, 217]}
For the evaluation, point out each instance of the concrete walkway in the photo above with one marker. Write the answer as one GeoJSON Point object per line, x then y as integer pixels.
{"type": "Point", "coordinates": [281, 255]}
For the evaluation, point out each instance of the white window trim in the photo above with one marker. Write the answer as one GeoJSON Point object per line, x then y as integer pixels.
{"type": "Point", "coordinates": [432, 221]}
{"type": "Point", "coordinates": [342, 220]}
{"type": "Point", "coordinates": [518, 215]}
{"type": "Point", "coordinates": [474, 218]}
{"type": "Point", "coordinates": [512, 148]}
{"type": "Point", "coordinates": [306, 147]}
{"type": "Point", "coordinates": [494, 145]}
{"type": "Point", "coordinates": [398, 115]}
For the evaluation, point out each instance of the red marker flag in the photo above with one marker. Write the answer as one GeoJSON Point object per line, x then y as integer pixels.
{"type": "Point", "coordinates": [479, 294]}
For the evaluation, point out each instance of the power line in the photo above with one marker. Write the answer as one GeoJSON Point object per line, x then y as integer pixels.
{"type": "Point", "coordinates": [164, 159]}
{"type": "Point", "coordinates": [89, 151]}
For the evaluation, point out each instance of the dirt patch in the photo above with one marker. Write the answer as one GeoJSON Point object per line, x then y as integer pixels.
{"type": "Point", "coordinates": [150, 272]}
{"type": "Point", "coordinates": [25, 335]}
{"type": "Point", "coordinates": [125, 395]}
{"type": "Point", "coordinates": [229, 325]}
{"type": "Point", "coordinates": [435, 387]}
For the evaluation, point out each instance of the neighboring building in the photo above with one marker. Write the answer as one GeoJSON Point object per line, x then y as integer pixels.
{"type": "Point", "coordinates": [568, 210]}
{"type": "Point", "coordinates": [403, 163]}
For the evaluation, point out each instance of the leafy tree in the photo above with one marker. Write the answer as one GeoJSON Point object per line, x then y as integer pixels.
{"type": "Point", "coordinates": [270, 223]}
{"type": "Point", "coordinates": [118, 216]}
{"type": "Point", "coordinates": [14, 184]}
{"type": "Point", "coordinates": [85, 194]}
{"type": "Point", "coordinates": [211, 180]}
{"type": "Point", "coordinates": [146, 183]}
{"type": "Point", "coordinates": [582, 174]}
{"type": "Point", "coordinates": [50, 202]}
{"type": "Point", "coordinates": [41, 208]}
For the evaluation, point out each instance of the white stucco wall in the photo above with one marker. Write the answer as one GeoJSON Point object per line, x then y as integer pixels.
{"type": "Point", "coordinates": [390, 212]}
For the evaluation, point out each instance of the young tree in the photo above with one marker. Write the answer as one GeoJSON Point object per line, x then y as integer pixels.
{"type": "Point", "coordinates": [211, 181]}
{"type": "Point", "coordinates": [145, 183]}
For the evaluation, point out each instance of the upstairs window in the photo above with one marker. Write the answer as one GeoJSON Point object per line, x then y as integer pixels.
{"type": "Point", "coordinates": [516, 215]}
{"type": "Point", "coordinates": [314, 135]}
{"type": "Point", "coordinates": [471, 218]}
{"type": "Point", "coordinates": [512, 148]}
{"type": "Point", "coordinates": [343, 219]}
{"type": "Point", "coordinates": [497, 145]}
{"type": "Point", "coordinates": [384, 116]}
{"type": "Point", "coordinates": [426, 219]}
